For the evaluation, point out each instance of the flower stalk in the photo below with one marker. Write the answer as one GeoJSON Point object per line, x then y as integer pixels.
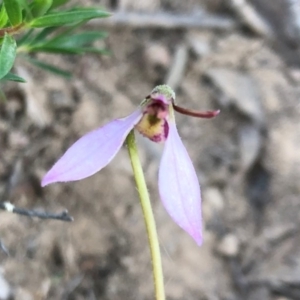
{"type": "Point", "coordinates": [148, 216]}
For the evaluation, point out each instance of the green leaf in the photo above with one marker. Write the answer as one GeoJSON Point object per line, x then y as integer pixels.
{"type": "Point", "coordinates": [63, 43]}
{"type": "Point", "coordinates": [14, 11]}
{"type": "Point", "coordinates": [50, 68]}
{"type": "Point", "coordinates": [69, 17]}
{"type": "Point", "coordinates": [95, 50]}
{"type": "Point", "coordinates": [13, 77]}
{"type": "Point", "coordinates": [7, 54]}
{"type": "Point", "coordinates": [43, 34]}
{"type": "Point", "coordinates": [40, 7]}
{"type": "Point", "coordinates": [27, 16]}
{"type": "Point", "coordinates": [25, 37]}
{"type": "Point", "coordinates": [53, 49]}
{"type": "Point", "coordinates": [23, 3]}
{"type": "Point", "coordinates": [67, 31]}
{"type": "Point", "coordinates": [57, 3]}
{"type": "Point", "coordinates": [3, 16]}
{"type": "Point", "coordinates": [79, 39]}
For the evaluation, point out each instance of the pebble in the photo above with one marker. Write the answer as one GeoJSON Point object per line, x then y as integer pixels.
{"type": "Point", "coordinates": [5, 289]}
{"type": "Point", "coordinates": [213, 202]}
{"type": "Point", "coordinates": [229, 245]}
{"type": "Point", "coordinates": [158, 54]}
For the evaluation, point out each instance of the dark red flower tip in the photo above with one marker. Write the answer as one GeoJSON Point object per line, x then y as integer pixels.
{"type": "Point", "coordinates": [198, 114]}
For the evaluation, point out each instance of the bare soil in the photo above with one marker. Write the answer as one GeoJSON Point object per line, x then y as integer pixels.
{"type": "Point", "coordinates": [247, 160]}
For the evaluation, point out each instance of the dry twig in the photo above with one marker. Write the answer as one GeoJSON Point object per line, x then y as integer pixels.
{"type": "Point", "coordinates": [177, 69]}
{"type": "Point", "coordinates": [251, 17]}
{"type": "Point", "coordinates": [167, 21]}
{"type": "Point", "coordinates": [3, 248]}
{"type": "Point", "coordinates": [63, 216]}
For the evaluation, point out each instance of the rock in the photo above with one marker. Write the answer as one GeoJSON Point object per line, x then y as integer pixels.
{"type": "Point", "coordinates": [213, 203]}
{"type": "Point", "coordinates": [200, 43]}
{"type": "Point", "coordinates": [158, 55]}
{"type": "Point", "coordinates": [36, 100]}
{"type": "Point", "coordinates": [237, 89]}
{"type": "Point", "coordinates": [5, 289]}
{"type": "Point", "coordinates": [273, 84]}
{"type": "Point", "coordinates": [250, 143]}
{"type": "Point", "coordinates": [23, 294]}
{"type": "Point", "coordinates": [229, 245]}
{"type": "Point", "coordinates": [260, 292]}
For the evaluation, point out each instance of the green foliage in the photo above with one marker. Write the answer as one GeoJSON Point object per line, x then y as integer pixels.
{"type": "Point", "coordinates": [57, 3]}
{"type": "Point", "coordinates": [40, 7]}
{"type": "Point", "coordinates": [50, 68]}
{"type": "Point", "coordinates": [13, 77]}
{"type": "Point", "coordinates": [7, 54]}
{"type": "Point", "coordinates": [14, 11]}
{"type": "Point", "coordinates": [65, 42]}
{"type": "Point", "coordinates": [78, 39]}
{"type": "Point", "coordinates": [3, 16]}
{"type": "Point", "coordinates": [46, 27]}
{"type": "Point", "coordinates": [68, 17]}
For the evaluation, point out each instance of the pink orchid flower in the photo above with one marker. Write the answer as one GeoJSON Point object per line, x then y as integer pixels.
{"type": "Point", "coordinates": [178, 182]}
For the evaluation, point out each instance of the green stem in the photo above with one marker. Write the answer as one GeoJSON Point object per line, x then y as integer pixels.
{"type": "Point", "coordinates": [148, 216]}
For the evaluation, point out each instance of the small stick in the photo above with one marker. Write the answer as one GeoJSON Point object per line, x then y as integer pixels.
{"type": "Point", "coordinates": [251, 17]}
{"type": "Point", "coordinates": [11, 30]}
{"type": "Point", "coordinates": [4, 249]}
{"type": "Point", "coordinates": [63, 216]}
{"type": "Point", "coordinates": [167, 21]}
{"type": "Point", "coordinates": [178, 67]}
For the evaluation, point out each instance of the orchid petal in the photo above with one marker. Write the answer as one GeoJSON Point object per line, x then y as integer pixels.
{"type": "Point", "coordinates": [93, 151]}
{"type": "Point", "coordinates": [179, 187]}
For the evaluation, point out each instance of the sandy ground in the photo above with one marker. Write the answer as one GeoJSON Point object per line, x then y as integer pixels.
{"type": "Point", "coordinates": [247, 160]}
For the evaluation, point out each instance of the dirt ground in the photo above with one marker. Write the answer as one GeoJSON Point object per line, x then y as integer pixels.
{"type": "Point", "coordinates": [247, 160]}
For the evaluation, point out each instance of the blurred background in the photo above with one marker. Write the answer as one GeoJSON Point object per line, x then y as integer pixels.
{"type": "Point", "coordinates": [242, 57]}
